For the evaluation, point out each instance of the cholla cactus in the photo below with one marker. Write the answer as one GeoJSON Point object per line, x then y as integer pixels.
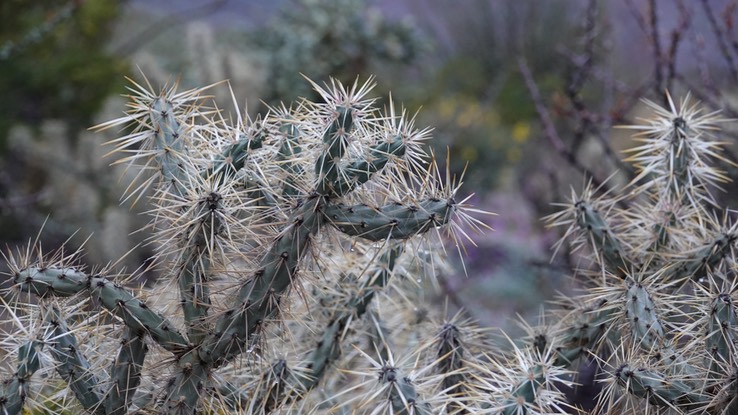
{"type": "Point", "coordinates": [658, 314]}
{"type": "Point", "coordinates": [274, 236]}
{"type": "Point", "coordinates": [285, 288]}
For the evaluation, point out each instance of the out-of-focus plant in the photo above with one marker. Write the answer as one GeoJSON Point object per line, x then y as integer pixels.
{"type": "Point", "coordinates": [55, 73]}
{"type": "Point", "coordinates": [337, 38]}
{"type": "Point", "coordinates": [687, 47]}
{"type": "Point", "coordinates": [53, 62]}
{"type": "Point", "coordinates": [472, 88]}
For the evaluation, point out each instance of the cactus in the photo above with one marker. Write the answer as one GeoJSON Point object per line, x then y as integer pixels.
{"type": "Point", "coordinates": [248, 217]}
{"type": "Point", "coordinates": [657, 311]}
{"type": "Point", "coordinates": [656, 315]}
{"type": "Point", "coordinates": [287, 287]}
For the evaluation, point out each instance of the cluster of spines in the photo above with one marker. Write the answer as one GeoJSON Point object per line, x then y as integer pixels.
{"type": "Point", "coordinates": [662, 259]}
{"type": "Point", "coordinates": [239, 212]}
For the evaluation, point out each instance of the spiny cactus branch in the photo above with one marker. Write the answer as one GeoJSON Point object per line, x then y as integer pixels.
{"type": "Point", "coordinates": [13, 391]}
{"type": "Point", "coordinates": [329, 346]}
{"type": "Point", "coordinates": [245, 218]}
{"type": "Point", "coordinates": [259, 297]}
{"type": "Point", "coordinates": [72, 366]}
{"type": "Point", "coordinates": [68, 282]}
{"type": "Point", "coordinates": [279, 384]}
{"type": "Point", "coordinates": [395, 221]}
{"type": "Point", "coordinates": [360, 172]}
{"type": "Point", "coordinates": [125, 373]}
{"type": "Point", "coordinates": [658, 388]}
{"type": "Point", "coordinates": [336, 139]}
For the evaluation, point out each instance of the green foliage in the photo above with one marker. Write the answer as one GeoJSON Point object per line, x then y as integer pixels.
{"type": "Point", "coordinates": [63, 72]}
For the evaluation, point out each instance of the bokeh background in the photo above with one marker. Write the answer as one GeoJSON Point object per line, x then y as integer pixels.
{"type": "Point", "coordinates": [524, 95]}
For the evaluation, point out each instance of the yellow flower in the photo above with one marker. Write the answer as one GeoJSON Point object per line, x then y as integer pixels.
{"type": "Point", "coordinates": [520, 131]}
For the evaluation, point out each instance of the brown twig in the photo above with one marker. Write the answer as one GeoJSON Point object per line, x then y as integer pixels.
{"type": "Point", "coordinates": [656, 45]}
{"type": "Point", "coordinates": [677, 35]}
{"type": "Point", "coordinates": [550, 130]}
{"type": "Point", "coordinates": [713, 100]}
{"type": "Point", "coordinates": [637, 16]}
{"type": "Point", "coordinates": [702, 67]}
{"type": "Point", "coordinates": [720, 35]}
{"type": "Point", "coordinates": [580, 76]}
{"type": "Point", "coordinates": [588, 121]}
{"type": "Point", "coordinates": [583, 69]}
{"type": "Point", "coordinates": [728, 20]}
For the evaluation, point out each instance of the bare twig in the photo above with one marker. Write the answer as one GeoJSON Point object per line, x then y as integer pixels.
{"type": "Point", "coordinates": [720, 36]}
{"type": "Point", "coordinates": [550, 130]}
{"type": "Point", "coordinates": [637, 16]}
{"type": "Point", "coordinates": [714, 100]}
{"type": "Point", "coordinates": [677, 35]}
{"type": "Point", "coordinates": [728, 20]}
{"type": "Point", "coordinates": [39, 33]}
{"type": "Point", "coordinates": [588, 121]}
{"type": "Point", "coordinates": [582, 72]}
{"type": "Point", "coordinates": [704, 71]}
{"type": "Point", "coordinates": [580, 76]}
{"type": "Point", "coordinates": [656, 45]}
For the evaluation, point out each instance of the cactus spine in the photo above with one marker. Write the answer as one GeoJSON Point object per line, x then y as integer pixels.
{"type": "Point", "coordinates": [282, 239]}
{"type": "Point", "coordinates": [245, 215]}
{"type": "Point", "coordinates": [663, 264]}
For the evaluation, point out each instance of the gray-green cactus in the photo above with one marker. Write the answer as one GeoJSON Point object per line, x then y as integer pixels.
{"type": "Point", "coordinates": [657, 315]}
{"type": "Point", "coordinates": [246, 216]}
{"type": "Point", "coordinates": [284, 287]}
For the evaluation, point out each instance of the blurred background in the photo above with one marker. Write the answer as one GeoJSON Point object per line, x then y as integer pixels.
{"type": "Point", "coordinates": [523, 93]}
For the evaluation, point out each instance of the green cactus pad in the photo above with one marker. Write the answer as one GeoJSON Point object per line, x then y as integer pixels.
{"type": "Point", "coordinates": [168, 140]}
{"type": "Point", "coordinates": [72, 366]}
{"type": "Point", "coordinates": [526, 391]}
{"type": "Point", "coordinates": [586, 332]}
{"type": "Point", "coordinates": [194, 264]}
{"type": "Point", "coordinates": [13, 394]}
{"type": "Point", "coordinates": [187, 388]}
{"type": "Point", "coordinates": [393, 221]}
{"type": "Point", "coordinates": [450, 358]}
{"type": "Point", "coordinates": [402, 396]}
{"type": "Point", "coordinates": [607, 245]}
{"type": "Point", "coordinates": [336, 139]}
{"type": "Point", "coordinates": [257, 297]}
{"type": "Point", "coordinates": [234, 157]}
{"type": "Point", "coordinates": [275, 382]}
{"type": "Point", "coordinates": [287, 152]}
{"type": "Point", "coordinates": [706, 259]}
{"type": "Point", "coordinates": [277, 385]}
{"type": "Point", "coordinates": [658, 389]}
{"type": "Point", "coordinates": [125, 373]}
{"type": "Point", "coordinates": [13, 391]}
{"type": "Point", "coordinates": [720, 338]}
{"type": "Point", "coordinates": [28, 361]}
{"type": "Point", "coordinates": [66, 282]}
{"type": "Point", "coordinates": [640, 311]}
{"type": "Point", "coordinates": [359, 172]}
{"type": "Point", "coordinates": [329, 347]}
{"type": "Point", "coordinates": [193, 288]}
